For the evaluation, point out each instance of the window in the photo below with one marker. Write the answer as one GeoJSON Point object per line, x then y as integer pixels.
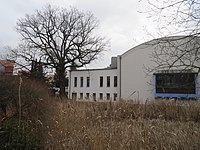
{"type": "Point", "coordinates": [94, 96]}
{"type": "Point", "coordinates": [175, 84]}
{"type": "Point", "coordinates": [81, 82]}
{"type": "Point", "coordinates": [67, 82]}
{"type": "Point", "coordinates": [108, 96]}
{"type": "Point", "coordinates": [183, 83]}
{"type": "Point", "coordinates": [75, 81]}
{"type": "Point", "coordinates": [74, 96]}
{"type": "Point", "coordinates": [100, 96]}
{"type": "Point", "coordinates": [87, 95]}
{"type": "Point", "coordinates": [88, 82]}
{"type": "Point", "coordinates": [81, 95]}
{"type": "Point", "coordinates": [115, 81]}
{"type": "Point", "coordinates": [101, 81]}
{"type": "Point", "coordinates": [108, 81]}
{"type": "Point", "coordinates": [115, 96]}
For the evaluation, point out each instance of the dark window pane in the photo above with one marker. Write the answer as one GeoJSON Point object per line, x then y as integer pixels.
{"type": "Point", "coordinates": [108, 81]}
{"type": "Point", "coordinates": [88, 82]}
{"type": "Point", "coordinates": [108, 96]}
{"type": "Point", "coordinates": [81, 82]}
{"type": "Point", "coordinates": [177, 83]}
{"type": "Point", "coordinates": [115, 81]}
{"type": "Point", "coordinates": [101, 81]}
{"type": "Point", "coordinates": [100, 96]}
{"type": "Point", "coordinates": [75, 81]}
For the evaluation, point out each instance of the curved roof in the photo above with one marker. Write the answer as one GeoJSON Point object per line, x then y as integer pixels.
{"type": "Point", "coordinates": [157, 41]}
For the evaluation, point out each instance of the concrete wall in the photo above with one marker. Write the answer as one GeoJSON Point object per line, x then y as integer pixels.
{"type": "Point", "coordinates": [94, 87]}
{"type": "Point", "coordinates": [133, 81]}
{"type": "Point", "coordinates": [135, 84]}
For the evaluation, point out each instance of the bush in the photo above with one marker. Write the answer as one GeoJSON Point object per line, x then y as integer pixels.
{"type": "Point", "coordinates": [22, 129]}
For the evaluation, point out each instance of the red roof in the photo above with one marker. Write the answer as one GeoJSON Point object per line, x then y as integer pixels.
{"type": "Point", "coordinates": [7, 63]}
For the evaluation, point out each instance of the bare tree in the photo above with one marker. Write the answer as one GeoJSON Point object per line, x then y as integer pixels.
{"type": "Point", "coordinates": [60, 38]}
{"type": "Point", "coordinates": [179, 25]}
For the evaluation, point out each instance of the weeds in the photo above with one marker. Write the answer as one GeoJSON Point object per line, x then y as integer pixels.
{"type": "Point", "coordinates": [54, 124]}
{"type": "Point", "coordinates": [125, 125]}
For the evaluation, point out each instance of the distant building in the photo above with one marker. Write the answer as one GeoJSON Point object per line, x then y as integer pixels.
{"type": "Point", "coordinates": [6, 67]}
{"type": "Point", "coordinates": [126, 78]}
{"type": "Point", "coordinates": [93, 84]}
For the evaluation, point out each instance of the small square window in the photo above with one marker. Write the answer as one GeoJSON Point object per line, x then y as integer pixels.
{"type": "Point", "coordinates": [81, 95]}
{"type": "Point", "coordinates": [94, 96]}
{"type": "Point", "coordinates": [74, 96]}
{"type": "Point", "coordinates": [108, 96]}
{"type": "Point", "coordinates": [101, 96]}
{"type": "Point", "coordinates": [87, 95]}
{"type": "Point", "coordinates": [115, 96]}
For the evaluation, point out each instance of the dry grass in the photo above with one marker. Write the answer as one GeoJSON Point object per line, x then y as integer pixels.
{"type": "Point", "coordinates": [49, 123]}
{"type": "Point", "coordinates": [123, 125]}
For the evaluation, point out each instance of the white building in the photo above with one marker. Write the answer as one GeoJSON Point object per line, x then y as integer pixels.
{"type": "Point", "coordinates": [94, 84]}
{"type": "Point", "coordinates": [126, 79]}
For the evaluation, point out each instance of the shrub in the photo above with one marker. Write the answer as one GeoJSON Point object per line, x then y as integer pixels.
{"type": "Point", "coordinates": [22, 128]}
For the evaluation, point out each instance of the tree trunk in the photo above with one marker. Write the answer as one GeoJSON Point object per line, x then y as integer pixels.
{"type": "Point", "coordinates": [62, 86]}
{"type": "Point", "coordinates": [61, 76]}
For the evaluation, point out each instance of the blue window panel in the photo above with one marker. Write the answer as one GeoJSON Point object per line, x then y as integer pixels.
{"type": "Point", "coordinates": [164, 95]}
{"type": "Point", "coordinates": [176, 95]}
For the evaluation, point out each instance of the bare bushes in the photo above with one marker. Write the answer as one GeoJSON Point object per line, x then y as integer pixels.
{"type": "Point", "coordinates": [23, 112]}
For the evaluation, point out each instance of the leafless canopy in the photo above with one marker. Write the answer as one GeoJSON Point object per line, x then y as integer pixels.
{"type": "Point", "coordinates": [179, 21]}
{"type": "Point", "coordinates": [60, 38]}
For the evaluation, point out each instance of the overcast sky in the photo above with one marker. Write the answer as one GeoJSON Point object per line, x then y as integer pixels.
{"type": "Point", "coordinates": [120, 21]}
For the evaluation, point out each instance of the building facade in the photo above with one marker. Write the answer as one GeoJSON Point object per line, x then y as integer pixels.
{"type": "Point", "coordinates": [93, 84]}
{"type": "Point", "coordinates": [127, 79]}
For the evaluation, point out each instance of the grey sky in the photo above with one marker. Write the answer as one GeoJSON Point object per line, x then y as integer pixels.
{"type": "Point", "coordinates": [120, 21]}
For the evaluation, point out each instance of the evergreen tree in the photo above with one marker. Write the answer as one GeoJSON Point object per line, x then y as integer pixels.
{"type": "Point", "coordinates": [37, 70]}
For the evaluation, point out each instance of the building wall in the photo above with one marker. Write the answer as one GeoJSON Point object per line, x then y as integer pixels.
{"type": "Point", "coordinates": [94, 87]}
{"type": "Point", "coordinates": [135, 84]}
{"type": "Point", "coordinates": [134, 81]}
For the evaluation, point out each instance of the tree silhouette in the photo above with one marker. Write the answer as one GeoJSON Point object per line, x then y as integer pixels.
{"type": "Point", "coordinates": [60, 38]}
{"type": "Point", "coordinates": [178, 24]}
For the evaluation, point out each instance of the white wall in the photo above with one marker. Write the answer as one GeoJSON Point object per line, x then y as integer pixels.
{"type": "Point", "coordinates": [94, 75]}
{"type": "Point", "coordinates": [133, 81]}
{"type": "Point", "coordinates": [135, 84]}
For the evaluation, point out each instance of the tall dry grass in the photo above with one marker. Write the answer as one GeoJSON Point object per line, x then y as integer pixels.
{"type": "Point", "coordinates": [124, 125]}
{"type": "Point", "coordinates": [54, 124]}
